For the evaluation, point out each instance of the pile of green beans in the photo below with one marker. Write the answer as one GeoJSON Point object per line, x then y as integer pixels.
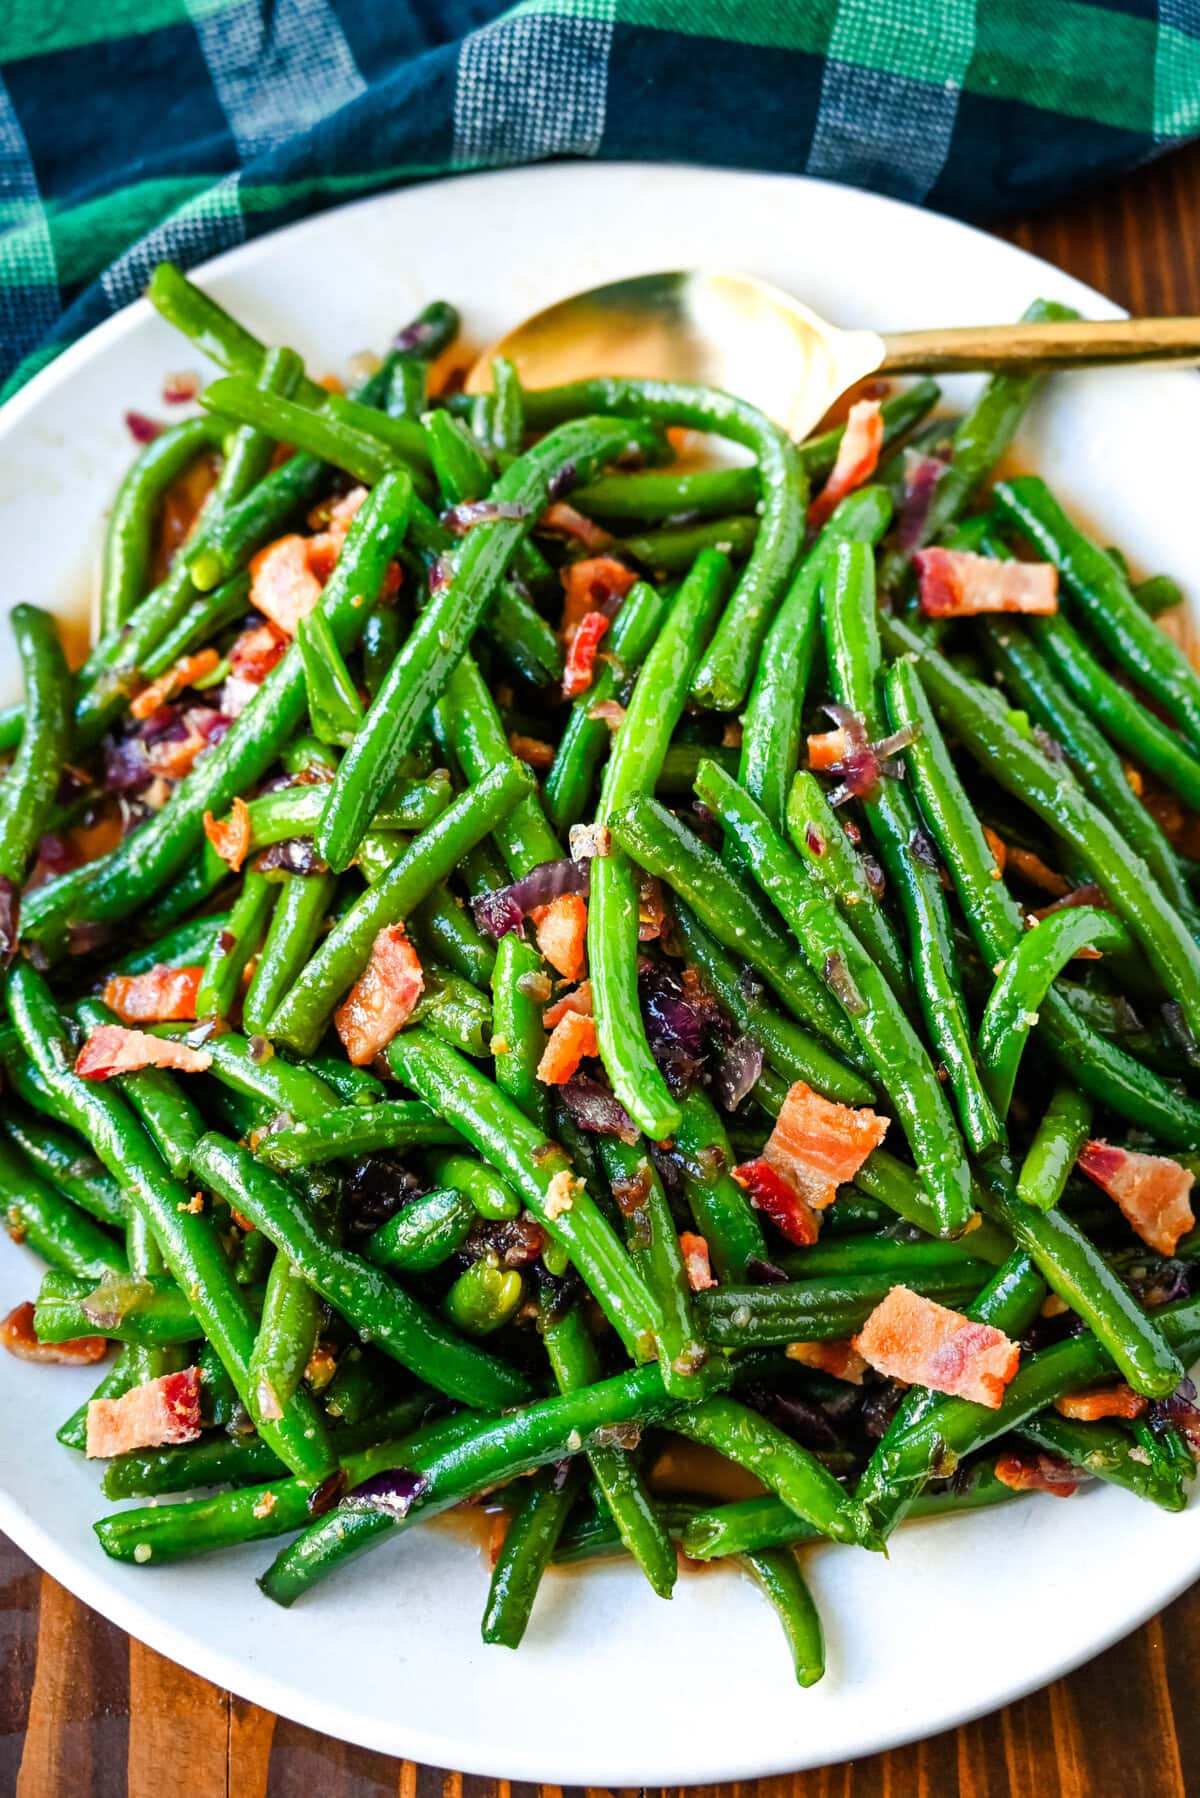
{"type": "Point", "coordinates": [426, 1022]}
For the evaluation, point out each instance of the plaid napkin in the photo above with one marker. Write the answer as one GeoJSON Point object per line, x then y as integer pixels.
{"type": "Point", "coordinates": [136, 129]}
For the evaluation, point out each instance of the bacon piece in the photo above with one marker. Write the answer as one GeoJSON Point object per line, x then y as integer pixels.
{"type": "Point", "coordinates": [1034, 1471]}
{"type": "Point", "coordinates": [857, 459]}
{"type": "Point", "coordinates": [256, 652]}
{"type": "Point", "coordinates": [1151, 1190]}
{"type": "Point", "coordinates": [20, 1339]}
{"type": "Point", "coordinates": [179, 675]}
{"type": "Point", "coordinates": [696, 1262]}
{"type": "Point", "coordinates": [114, 1050]}
{"type": "Point", "coordinates": [827, 749]}
{"type": "Point", "coordinates": [282, 584]}
{"type": "Point", "coordinates": [561, 930]}
{"type": "Point", "coordinates": [598, 584]}
{"type": "Point", "coordinates": [1106, 1401]}
{"type": "Point", "coordinates": [917, 1340]}
{"type": "Point", "coordinates": [840, 1360]}
{"type": "Point", "coordinates": [159, 996]}
{"type": "Point", "coordinates": [230, 836]}
{"type": "Point", "coordinates": [180, 387]}
{"type": "Point", "coordinates": [161, 1411]}
{"type": "Point", "coordinates": [817, 1145]}
{"type": "Point", "coordinates": [569, 523]}
{"type": "Point", "coordinates": [383, 997]}
{"type": "Point", "coordinates": [956, 583]}
{"type": "Point", "coordinates": [573, 1037]}
{"type": "Point", "coordinates": [532, 751]}
{"type": "Point", "coordinates": [325, 548]}
{"type": "Point", "coordinates": [580, 667]}
{"type": "Point", "coordinates": [791, 1215]}
{"type": "Point", "coordinates": [578, 999]}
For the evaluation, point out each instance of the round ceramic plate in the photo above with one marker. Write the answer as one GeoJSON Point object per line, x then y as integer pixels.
{"type": "Point", "coordinates": [611, 1687]}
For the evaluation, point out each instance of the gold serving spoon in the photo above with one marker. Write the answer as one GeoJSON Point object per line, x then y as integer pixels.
{"type": "Point", "coordinates": [742, 334]}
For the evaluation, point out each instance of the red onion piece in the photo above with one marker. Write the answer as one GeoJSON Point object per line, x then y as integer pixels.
{"type": "Point", "coordinates": [393, 1492]}
{"type": "Point", "coordinates": [597, 1110]}
{"type": "Point", "coordinates": [464, 517]}
{"type": "Point", "coordinates": [505, 908]}
{"type": "Point", "coordinates": [10, 918]}
{"type": "Point", "coordinates": [921, 476]}
{"type": "Point", "coordinates": [143, 429]}
{"type": "Point", "coordinates": [737, 1070]}
{"type": "Point", "coordinates": [295, 855]}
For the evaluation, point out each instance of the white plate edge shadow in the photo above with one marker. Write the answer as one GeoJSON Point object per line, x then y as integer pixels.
{"type": "Point", "coordinates": [101, 1585]}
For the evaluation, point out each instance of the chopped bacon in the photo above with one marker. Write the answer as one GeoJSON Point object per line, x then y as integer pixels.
{"type": "Point", "coordinates": [282, 584]}
{"type": "Point", "coordinates": [917, 1340]}
{"type": "Point", "coordinates": [791, 1215]}
{"type": "Point", "coordinates": [569, 523]}
{"type": "Point", "coordinates": [827, 749]}
{"type": "Point", "coordinates": [578, 999]}
{"type": "Point", "coordinates": [817, 1144]}
{"type": "Point", "coordinates": [840, 1360]}
{"type": "Point", "coordinates": [580, 667]}
{"type": "Point", "coordinates": [179, 388]}
{"type": "Point", "coordinates": [561, 930]}
{"type": "Point", "coordinates": [608, 711]}
{"type": "Point", "coordinates": [159, 996]}
{"type": "Point", "coordinates": [20, 1339]}
{"type": "Point", "coordinates": [161, 1411]}
{"type": "Point", "coordinates": [857, 459]}
{"type": "Point", "coordinates": [595, 585]}
{"type": "Point", "coordinates": [1152, 1191]}
{"type": "Point", "coordinates": [383, 997]}
{"type": "Point", "coordinates": [956, 583]}
{"type": "Point", "coordinates": [325, 548]}
{"type": "Point", "coordinates": [653, 917]}
{"type": "Point", "coordinates": [532, 751]}
{"type": "Point", "coordinates": [112, 1049]}
{"type": "Point", "coordinates": [179, 675]}
{"type": "Point", "coordinates": [256, 652]}
{"type": "Point", "coordinates": [1106, 1401]}
{"type": "Point", "coordinates": [1034, 1471]}
{"type": "Point", "coordinates": [230, 836]}
{"type": "Point", "coordinates": [696, 1262]}
{"type": "Point", "coordinates": [573, 1037]}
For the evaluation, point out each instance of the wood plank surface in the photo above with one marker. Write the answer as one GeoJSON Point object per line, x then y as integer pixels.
{"type": "Point", "coordinates": [86, 1713]}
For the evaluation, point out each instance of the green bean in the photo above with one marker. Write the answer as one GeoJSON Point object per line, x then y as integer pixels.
{"type": "Point", "coordinates": [818, 1310]}
{"type": "Point", "coordinates": [288, 1328]}
{"type": "Point", "coordinates": [1065, 1126]}
{"type": "Point", "coordinates": [467, 718]}
{"type": "Point", "coordinates": [488, 1195]}
{"type": "Point", "coordinates": [881, 1255]}
{"type": "Point", "coordinates": [638, 748]}
{"type": "Point", "coordinates": [777, 1574]}
{"type": "Point", "coordinates": [372, 1302]}
{"type": "Point", "coordinates": [719, 1207]}
{"type": "Point", "coordinates": [772, 726]}
{"type": "Point", "coordinates": [207, 616]}
{"type": "Point", "coordinates": [1102, 594]}
{"type": "Point", "coordinates": [279, 1084]}
{"type": "Point", "coordinates": [664, 496]}
{"type": "Point", "coordinates": [423, 1233]}
{"type": "Point", "coordinates": [654, 1249]}
{"type": "Point", "coordinates": [442, 927]}
{"type": "Point", "coordinates": [538, 1172]}
{"type": "Point", "coordinates": [129, 538]}
{"type": "Point", "coordinates": [211, 328]}
{"type": "Point", "coordinates": [1108, 1453]}
{"type": "Point", "coordinates": [529, 1543]}
{"type": "Point", "coordinates": [518, 1036]}
{"type": "Point", "coordinates": [463, 475]}
{"type": "Point", "coordinates": [115, 1383]}
{"type": "Point", "coordinates": [28, 789]}
{"type": "Point", "coordinates": [822, 844]}
{"type": "Point", "coordinates": [148, 859]}
{"type": "Point", "coordinates": [300, 910]}
{"type": "Point", "coordinates": [996, 922]}
{"type": "Point", "coordinates": [334, 708]}
{"type": "Point", "coordinates": [182, 948]}
{"type": "Point", "coordinates": [64, 1162]}
{"type": "Point", "coordinates": [783, 1466]}
{"type": "Point", "coordinates": [300, 1018]}
{"type": "Point", "coordinates": [661, 844]}
{"type": "Point", "coordinates": [895, 1185]}
{"type": "Point", "coordinates": [790, 1051]}
{"type": "Point", "coordinates": [449, 621]}
{"type": "Point", "coordinates": [1158, 594]}
{"type": "Point", "coordinates": [234, 946]}
{"type": "Point", "coordinates": [381, 639]}
{"type": "Point", "coordinates": [36, 1215]}
{"type": "Point", "coordinates": [875, 1013]}
{"type": "Point", "coordinates": [484, 1297]}
{"type": "Point", "coordinates": [724, 674]}
{"type": "Point", "coordinates": [164, 1108]}
{"type": "Point", "coordinates": [354, 1130]}
{"type": "Point", "coordinates": [674, 549]}
{"type": "Point", "coordinates": [144, 1310]}
{"type": "Point", "coordinates": [316, 431]}
{"type": "Point", "coordinates": [256, 519]}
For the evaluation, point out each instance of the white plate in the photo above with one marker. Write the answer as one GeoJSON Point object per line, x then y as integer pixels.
{"type": "Point", "coordinates": [611, 1687]}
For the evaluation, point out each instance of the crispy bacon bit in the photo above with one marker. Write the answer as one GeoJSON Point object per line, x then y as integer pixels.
{"type": "Point", "coordinates": [567, 522]}
{"type": "Point", "coordinates": [580, 667]}
{"type": "Point", "coordinates": [840, 1360]}
{"type": "Point", "coordinates": [561, 930]}
{"type": "Point", "coordinates": [114, 1050]}
{"type": "Point", "coordinates": [586, 841]}
{"type": "Point", "coordinates": [1152, 1191]}
{"type": "Point", "coordinates": [573, 1038]}
{"type": "Point", "coordinates": [696, 1262]}
{"type": "Point", "coordinates": [770, 1192]}
{"type": "Point", "coordinates": [532, 751]}
{"type": "Point", "coordinates": [230, 836]}
{"type": "Point", "coordinates": [608, 711]}
{"type": "Point", "coordinates": [383, 997]}
{"type": "Point", "coordinates": [598, 584]}
{"type": "Point", "coordinates": [1034, 1471]}
{"type": "Point", "coordinates": [578, 999]}
{"type": "Point", "coordinates": [560, 1194]}
{"type": "Point", "coordinates": [857, 459]}
{"type": "Point", "coordinates": [282, 584]}
{"type": "Point", "coordinates": [181, 387]}
{"type": "Point", "coordinates": [256, 652]}
{"type": "Point", "coordinates": [325, 548]}
{"type": "Point", "coordinates": [827, 750]}
{"type": "Point", "coordinates": [20, 1339]}
{"type": "Point", "coordinates": [817, 1144]}
{"type": "Point", "coordinates": [1106, 1401]}
{"type": "Point", "coordinates": [159, 996]}
{"type": "Point", "coordinates": [955, 583]}
{"type": "Point", "coordinates": [915, 1339]}
{"type": "Point", "coordinates": [179, 675]}
{"type": "Point", "coordinates": [148, 1416]}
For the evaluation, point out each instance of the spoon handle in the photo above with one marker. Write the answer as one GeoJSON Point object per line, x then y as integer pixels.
{"type": "Point", "coordinates": [1078, 343]}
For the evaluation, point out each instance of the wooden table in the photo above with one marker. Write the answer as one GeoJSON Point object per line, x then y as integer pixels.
{"type": "Point", "coordinates": [87, 1713]}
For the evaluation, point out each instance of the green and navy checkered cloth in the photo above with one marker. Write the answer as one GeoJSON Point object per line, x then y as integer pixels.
{"type": "Point", "coordinates": [136, 129]}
